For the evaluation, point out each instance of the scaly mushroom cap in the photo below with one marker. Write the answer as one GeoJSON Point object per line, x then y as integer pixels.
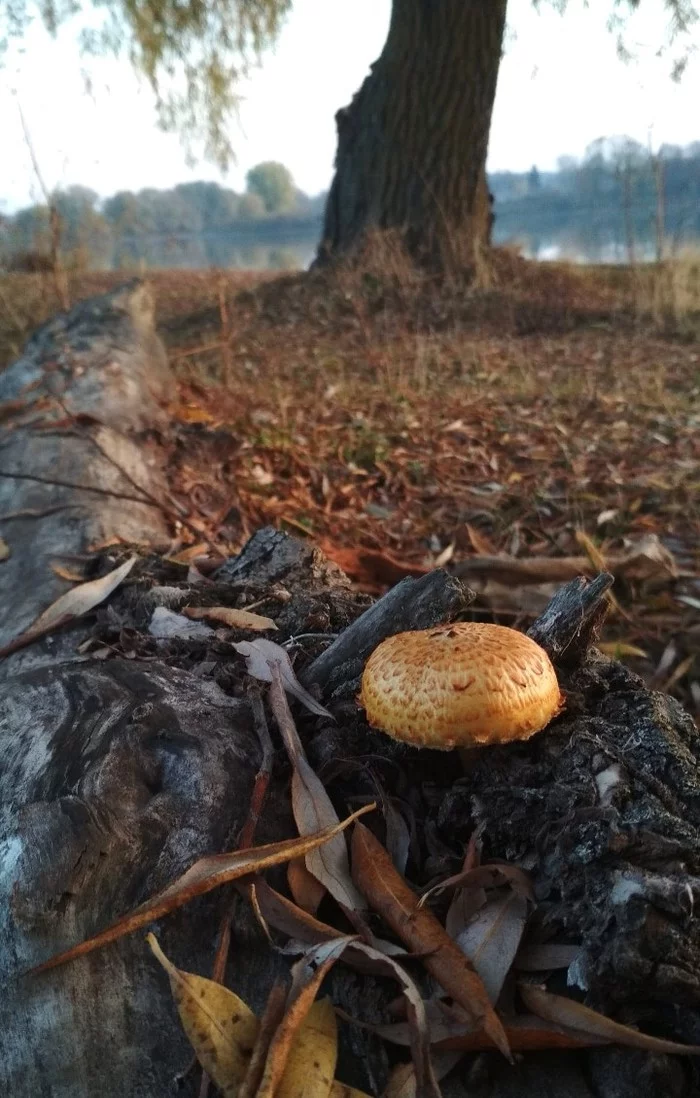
{"type": "Point", "coordinates": [460, 685]}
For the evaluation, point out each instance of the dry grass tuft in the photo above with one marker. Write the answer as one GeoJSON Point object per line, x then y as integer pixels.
{"type": "Point", "coordinates": [669, 293]}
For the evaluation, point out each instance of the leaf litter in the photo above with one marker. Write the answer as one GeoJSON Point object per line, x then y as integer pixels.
{"type": "Point", "coordinates": [470, 960]}
{"type": "Point", "coordinates": [477, 491]}
{"type": "Point", "coordinates": [494, 427]}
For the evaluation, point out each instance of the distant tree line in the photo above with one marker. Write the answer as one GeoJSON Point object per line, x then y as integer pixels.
{"type": "Point", "coordinates": [619, 195]}
{"type": "Point", "coordinates": [91, 225]}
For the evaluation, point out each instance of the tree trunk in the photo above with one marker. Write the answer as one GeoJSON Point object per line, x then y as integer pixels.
{"type": "Point", "coordinates": [412, 143]}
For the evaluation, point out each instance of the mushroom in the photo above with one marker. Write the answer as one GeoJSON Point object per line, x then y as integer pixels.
{"type": "Point", "coordinates": [460, 685]}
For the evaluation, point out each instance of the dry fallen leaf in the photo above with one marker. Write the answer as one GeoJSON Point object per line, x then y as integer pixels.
{"type": "Point", "coordinates": [223, 1031]}
{"type": "Point", "coordinates": [192, 552]}
{"type": "Point", "coordinates": [261, 654]}
{"type": "Point", "coordinates": [304, 887]}
{"type": "Point", "coordinates": [71, 575]}
{"type": "Point", "coordinates": [313, 808]}
{"type": "Point", "coordinates": [567, 1012]}
{"type": "Point", "coordinates": [220, 1027]}
{"type": "Point", "coordinates": [4, 550]}
{"type": "Point", "coordinates": [549, 955]}
{"type": "Point", "coordinates": [480, 543]}
{"type": "Point", "coordinates": [485, 876]}
{"type": "Point", "coordinates": [311, 1062]}
{"type": "Point", "coordinates": [688, 600]}
{"type": "Point", "coordinates": [398, 835]}
{"type": "Point", "coordinates": [492, 938]}
{"type": "Point", "coordinates": [449, 1031]}
{"type": "Point", "coordinates": [206, 874]}
{"type": "Point", "coordinates": [302, 928]}
{"type": "Point", "coordinates": [73, 604]}
{"type": "Point", "coordinates": [342, 1090]}
{"type": "Point", "coordinates": [403, 1082]}
{"type": "Point", "coordinates": [389, 895]}
{"type": "Point", "coordinates": [290, 918]}
{"type": "Point", "coordinates": [419, 1034]}
{"type": "Point", "coordinates": [370, 569]}
{"type": "Point", "coordinates": [165, 624]}
{"type": "Point", "coordinates": [465, 904]}
{"type": "Point", "coordinates": [236, 619]}
{"type": "Point", "coordinates": [445, 556]}
{"type": "Point", "coordinates": [307, 976]}
{"type": "Point", "coordinates": [270, 1020]}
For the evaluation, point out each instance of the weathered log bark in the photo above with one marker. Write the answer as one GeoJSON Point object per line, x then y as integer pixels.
{"type": "Point", "coordinates": [76, 465]}
{"type": "Point", "coordinates": [411, 604]}
{"type": "Point", "coordinates": [115, 776]}
{"type": "Point", "coordinates": [112, 776]}
{"type": "Point", "coordinates": [412, 143]}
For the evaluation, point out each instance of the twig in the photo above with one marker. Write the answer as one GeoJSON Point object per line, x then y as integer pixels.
{"type": "Point", "coordinates": [271, 1018]}
{"type": "Point", "coordinates": [82, 432]}
{"type": "Point", "coordinates": [260, 787]}
{"type": "Point", "coordinates": [54, 483]}
{"type": "Point", "coordinates": [196, 351]}
{"type": "Point", "coordinates": [55, 225]}
{"type": "Point", "coordinates": [171, 511]}
{"type": "Point", "coordinates": [35, 512]}
{"type": "Point", "coordinates": [262, 778]}
{"type": "Point", "coordinates": [14, 316]}
{"type": "Point", "coordinates": [225, 332]}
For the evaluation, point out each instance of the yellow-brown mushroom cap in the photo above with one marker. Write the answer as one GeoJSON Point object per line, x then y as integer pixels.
{"type": "Point", "coordinates": [460, 685]}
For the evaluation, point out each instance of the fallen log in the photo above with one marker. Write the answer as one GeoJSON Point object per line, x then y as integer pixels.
{"type": "Point", "coordinates": [117, 772]}
{"type": "Point", "coordinates": [78, 462]}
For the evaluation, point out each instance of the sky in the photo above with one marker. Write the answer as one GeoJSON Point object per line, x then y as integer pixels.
{"type": "Point", "coordinates": [560, 87]}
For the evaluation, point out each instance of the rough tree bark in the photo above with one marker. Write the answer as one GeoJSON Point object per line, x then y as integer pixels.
{"type": "Point", "coordinates": [412, 143]}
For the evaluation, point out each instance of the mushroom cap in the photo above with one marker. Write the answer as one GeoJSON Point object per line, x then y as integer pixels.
{"type": "Point", "coordinates": [460, 685]}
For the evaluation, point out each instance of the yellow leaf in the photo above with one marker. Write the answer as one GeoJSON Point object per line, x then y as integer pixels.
{"type": "Point", "coordinates": [682, 669]}
{"type": "Point", "coordinates": [311, 1062]}
{"type": "Point", "coordinates": [236, 619]}
{"type": "Point", "coordinates": [402, 1082]}
{"type": "Point", "coordinates": [308, 974]}
{"type": "Point", "coordinates": [618, 649]}
{"type": "Point", "coordinates": [222, 1030]}
{"type": "Point", "coordinates": [591, 550]}
{"type": "Point", "coordinates": [4, 549]}
{"type": "Point", "coordinates": [341, 1090]}
{"type": "Point", "coordinates": [219, 1025]}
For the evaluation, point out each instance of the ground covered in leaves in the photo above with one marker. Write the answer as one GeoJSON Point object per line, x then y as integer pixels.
{"type": "Point", "coordinates": [589, 831]}
{"type": "Point", "coordinates": [402, 425]}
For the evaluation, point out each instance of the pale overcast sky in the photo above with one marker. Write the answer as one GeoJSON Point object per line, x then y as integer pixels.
{"type": "Point", "coordinates": [561, 86]}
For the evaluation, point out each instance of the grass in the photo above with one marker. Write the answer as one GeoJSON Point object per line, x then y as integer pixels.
{"type": "Point", "coordinates": [671, 295]}
{"type": "Point", "coordinates": [371, 408]}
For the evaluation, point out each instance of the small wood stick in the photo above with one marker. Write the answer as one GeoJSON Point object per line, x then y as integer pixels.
{"type": "Point", "coordinates": [260, 787]}
{"type": "Point", "coordinates": [272, 1016]}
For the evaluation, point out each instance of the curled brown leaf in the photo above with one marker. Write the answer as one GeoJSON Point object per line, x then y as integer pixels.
{"type": "Point", "coordinates": [390, 895]}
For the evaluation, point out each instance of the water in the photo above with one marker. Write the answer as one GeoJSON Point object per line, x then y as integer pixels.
{"type": "Point", "coordinates": [280, 247]}
{"type": "Point", "coordinates": [246, 250]}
